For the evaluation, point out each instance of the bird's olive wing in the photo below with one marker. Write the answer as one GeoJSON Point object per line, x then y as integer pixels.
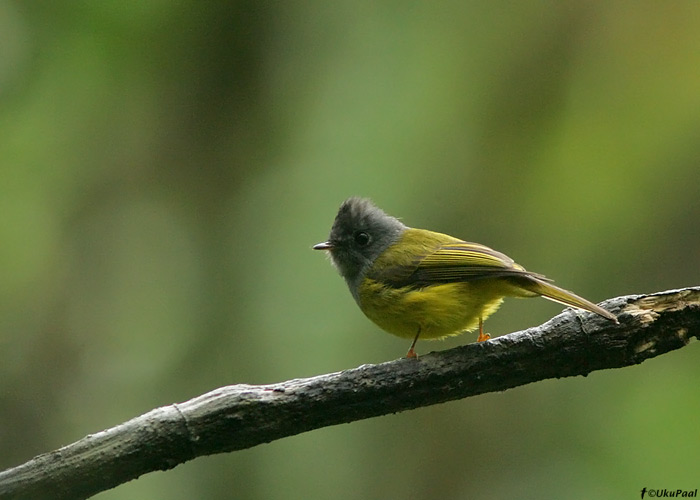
{"type": "Point", "coordinates": [454, 262]}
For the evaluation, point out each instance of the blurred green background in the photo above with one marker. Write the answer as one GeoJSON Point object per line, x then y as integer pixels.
{"type": "Point", "coordinates": [166, 167]}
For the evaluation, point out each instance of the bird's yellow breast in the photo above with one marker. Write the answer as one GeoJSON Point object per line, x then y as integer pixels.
{"type": "Point", "coordinates": [436, 311]}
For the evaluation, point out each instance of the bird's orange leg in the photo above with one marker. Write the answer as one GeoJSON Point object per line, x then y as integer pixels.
{"type": "Point", "coordinates": [482, 336]}
{"type": "Point", "coordinates": [411, 353]}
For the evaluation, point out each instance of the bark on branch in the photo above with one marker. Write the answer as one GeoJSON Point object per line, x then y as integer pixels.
{"type": "Point", "coordinates": [241, 416]}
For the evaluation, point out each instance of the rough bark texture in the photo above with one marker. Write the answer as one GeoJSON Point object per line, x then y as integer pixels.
{"type": "Point", "coordinates": [241, 416]}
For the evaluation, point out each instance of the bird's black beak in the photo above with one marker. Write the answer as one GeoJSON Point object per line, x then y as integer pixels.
{"type": "Point", "coordinates": [326, 245]}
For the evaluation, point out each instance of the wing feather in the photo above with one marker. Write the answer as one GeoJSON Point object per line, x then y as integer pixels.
{"type": "Point", "coordinates": [454, 262]}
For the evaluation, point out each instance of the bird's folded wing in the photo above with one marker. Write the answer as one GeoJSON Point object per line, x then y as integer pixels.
{"type": "Point", "coordinates": [454, 262]}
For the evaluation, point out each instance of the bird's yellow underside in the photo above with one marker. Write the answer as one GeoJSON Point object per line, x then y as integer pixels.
{"type": "Point", "coordinates": [437, 311]}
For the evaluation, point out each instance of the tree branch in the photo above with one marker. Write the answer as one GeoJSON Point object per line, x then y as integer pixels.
{"type": "Point", "coordinates": [241, 416]}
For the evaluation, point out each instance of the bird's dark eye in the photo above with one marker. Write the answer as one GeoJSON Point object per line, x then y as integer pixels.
{"type": "Point", "coordinates": [361, 238]}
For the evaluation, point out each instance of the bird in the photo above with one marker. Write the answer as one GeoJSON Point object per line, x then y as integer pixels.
{"type": "Point", "coordinates": [420, 284]}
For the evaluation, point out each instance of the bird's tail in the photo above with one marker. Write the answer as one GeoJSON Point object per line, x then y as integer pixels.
{"type": "Point", "coordinates": [549, 291]}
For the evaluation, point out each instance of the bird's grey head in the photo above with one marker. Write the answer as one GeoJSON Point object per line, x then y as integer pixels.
{"type": "Point", "coordinates": [360, 233]}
